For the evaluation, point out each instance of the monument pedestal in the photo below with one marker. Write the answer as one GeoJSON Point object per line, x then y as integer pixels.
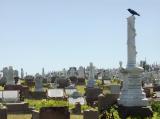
{"type": "Point", "coordinates": [141, 112]}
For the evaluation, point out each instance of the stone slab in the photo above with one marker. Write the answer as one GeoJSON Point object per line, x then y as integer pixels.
{"type": "Point", "coordinates": [141, 112]}
{"type": "Point", "coordinates": [17, 107]}
{"type": "Point", "coordinates": [54, 113]}
{"type": "Point", "coordinates": [3, 113]}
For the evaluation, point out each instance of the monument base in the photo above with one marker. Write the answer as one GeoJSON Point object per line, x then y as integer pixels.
{"type": "Point", "coordinates": [141, 112]}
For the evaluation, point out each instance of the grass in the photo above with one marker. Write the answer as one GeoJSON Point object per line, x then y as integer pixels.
{"type": "Point", "coordinates": [28, 116]}
{"type": "Point", "coordinates": [81, 89]}
{"type": "Point", "coordinates": [1, 88]}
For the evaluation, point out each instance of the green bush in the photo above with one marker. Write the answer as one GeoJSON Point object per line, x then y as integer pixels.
{"type": "Point", "coordinates": [37, 104]}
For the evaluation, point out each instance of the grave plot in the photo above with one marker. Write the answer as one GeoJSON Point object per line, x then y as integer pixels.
{"type": "Point", "coordinates": [55, 93]}
{"type": "Point", "coordinates": [70, 91]}
{"type": "Point", "coordinates": [80, 100]}
{"type": "Point", "coordinates": [76, 98]}
{"type": "Point", "coordinates": [10, 96]}
{"type": "Point", "coordinates": [11, 99]}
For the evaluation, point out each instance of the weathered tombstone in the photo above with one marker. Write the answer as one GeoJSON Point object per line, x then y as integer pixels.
{"type": "Point", "coordinates": [24, 90]}
{"type": "Point", "coordinates": [55, 93]}
{"type": "Point", "coordinates": [91, 80]}
{"type": "Point", "coordinates": [115, 89]}
{"type": "Point", "coordinates": [106, 100]}
{"type": "Point", "coordinates": [38, 83]}
{"type": "Point", "coordinates": [90, 114]}
{"type": "Point", "coordinates": [76, 98]}
{"type": "Point", "coordinates": [54, 113]}
{"type": "Point", "coordinates": [132, 100]}
{"type": "Point", "coordinates": [29, 80]}
{"type": "Point", "coordinates": [3, 112]}
{"type": "Point", "coordinates": [91, 87]}
{"type": "Point", "coordinates": [62, 82]}
{"type": "Point", "coordinates": [77, 108]}
{"type": "Point", "coordinates": [10, 76]}
{"type": "Point", "coordinates": [22, 73]}
{"type": "Point", "coordinates": [73, 75]}
{"type": "Point", "coordinates": [70, 91]}
{"type": "Point", "coordinates": [81, 75]}
{"type": "Point", "coordinates": [134, 95]}
{"type": "Point", "coordinates": [10, 96]}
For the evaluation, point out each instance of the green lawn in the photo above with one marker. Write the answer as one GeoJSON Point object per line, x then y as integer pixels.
{"type": "Point", "coordinates": [28, 116]}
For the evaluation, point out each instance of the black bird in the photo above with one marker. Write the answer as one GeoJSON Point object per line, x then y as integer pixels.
{"type": "Point", "coordinates": [133, 12]}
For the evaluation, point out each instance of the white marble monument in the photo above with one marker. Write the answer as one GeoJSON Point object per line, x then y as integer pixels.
{"type": "Point", "coordinates": [132, 95]}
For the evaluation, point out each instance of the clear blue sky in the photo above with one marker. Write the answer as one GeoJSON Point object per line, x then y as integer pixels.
{"type": "Point", "coordinates": [57, 34]}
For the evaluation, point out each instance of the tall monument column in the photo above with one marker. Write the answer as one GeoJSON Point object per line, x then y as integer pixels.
{"type": "Point", "coordinates": [132, 95]}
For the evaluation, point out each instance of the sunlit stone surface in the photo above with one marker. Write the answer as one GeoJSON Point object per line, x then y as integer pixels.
{"type": "Point", "coordinates": [132, 93]}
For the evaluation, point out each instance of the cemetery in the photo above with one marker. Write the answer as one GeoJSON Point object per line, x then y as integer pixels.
{"type": "Point", "coordinates": [79, 92]}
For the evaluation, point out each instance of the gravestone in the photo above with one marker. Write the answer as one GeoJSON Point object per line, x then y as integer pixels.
{"type": "Point", "coordinates": [70, 91]}
{"type": "Point", "coordinates": [115, 89]}
{"type": "Point", "coordinates": [29, 80]}
{"type": "Point", "coordinates": [77, 108]}
{"type": "Point", "coordinates": [132, 100]}
{"type": "Point", "coordinates": [62, 82]}
{"type": "Point", "coordinates": [10, 96]}
{"type": "Point", "coordinates": [91, 87]}
{"type": "Point", "coordinates": [22, 73]}
{"type": "Point", "coordinates": [76, 98]}
{"type": "Point", "coordinates": [39, 83]}
{"type": "Point", "coordinates": [3, 112]}
{"type": "Point", "coordinates": [55, 93]}
{"type": "Point", "coordinates": [54, 113]}
{"type": "Point", "coordinates": [81, 75]}
{"type": "Point", "coordinates": [10, 76]}
{"type": "Point", "coordinates": [91, 79]}
{"type": "Point", "coordinates": [73, 75]}
{"type": "Point", "coordinates": [24, 90]}
{"type": "Point", "coordinates": [90, 114]}
{"type": "Point", "coordinates": [133, 95]}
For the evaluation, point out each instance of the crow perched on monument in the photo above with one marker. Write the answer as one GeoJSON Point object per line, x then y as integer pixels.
{"type": "Point", "coordinates": [133, 12]}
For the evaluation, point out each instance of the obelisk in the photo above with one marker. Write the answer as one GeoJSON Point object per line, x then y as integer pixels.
{"type": "Point", "coordinates": [132, 95]}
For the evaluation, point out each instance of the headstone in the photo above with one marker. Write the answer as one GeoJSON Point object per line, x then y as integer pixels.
{"type": "Point", "coordinates": [22, 73]}
{"type": "Point", "coordinates": [70, 91]}
{"type": "Point", "coordinates": [10, 76]}
{"type": "Point", "coordinates": [133, 95]}
{"type": "Point", "coordinates": [90, 114]}
{"type": "Point", "coordinates": [80, 100]}
{"type": "Point", "coordinates": [54, 113]}
{"type": "Point", "coordinates": [10, 96]}
{"type": "Point", "coordinates": [115, 89]}
{"type": "Point", "coordinates": [29, 80]}
{"type": "Point", "coordinates": [43, 74]}
{"type": "Point", "coordinates": [55, 93]}
{"type": "Point", "coordinates": [77, 108]}
{"type": "Point", "coordinates": [64, 73]}
{"type": "Point", "coordinates": [81, 72]}
{"type": "Point", "coordinates": [91, 80]}
{"type": "Point", "coordinates": [62, 82]}
{"type": "Point", "coordinates": [38, 83]}
{"type": "Point", "coordinates": [3, 112]}
{"type": "Point", "coordinates": [81, 75]}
